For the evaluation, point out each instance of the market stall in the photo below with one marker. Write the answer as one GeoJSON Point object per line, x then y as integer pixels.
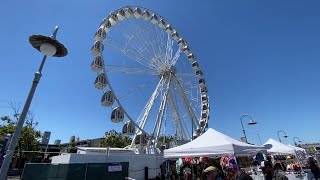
{"type": "Point", "coordinates": [293, 156]}
{"type": "Point", "coordinates": [279, 148]}
{"type": "Point", "coordinates": [212, 143]}
{"type": "Point", "coordinates": [290, 157]}
{"type": "Point", "coordinates": [297, 149]}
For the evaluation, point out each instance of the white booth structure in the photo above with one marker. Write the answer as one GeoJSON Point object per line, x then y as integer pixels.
{"type": "Point", "coordinates": [212, 143]}
{"type": "Point", "coordinates": [280, 148]}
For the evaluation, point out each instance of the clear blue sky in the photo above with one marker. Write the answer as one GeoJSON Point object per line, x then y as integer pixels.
{"type": "Point", "coordinates": [259, 57]}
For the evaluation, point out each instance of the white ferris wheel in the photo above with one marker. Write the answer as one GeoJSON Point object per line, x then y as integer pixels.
{"type": "Point", "coordinates": [150, 77]}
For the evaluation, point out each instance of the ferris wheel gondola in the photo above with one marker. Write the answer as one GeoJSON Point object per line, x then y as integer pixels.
{"type": "Point", "coordinates": [128, 128]}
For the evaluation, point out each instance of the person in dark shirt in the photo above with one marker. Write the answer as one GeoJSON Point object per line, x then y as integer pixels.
{"type": "Point", "coordinates": [244, 176]}
{"type": "Point", "coordinates": [273, 173]}
{"type": "Point", "coordinates": [186, 170]}
{"type": "Point", "coordinates": [280, 167]}
{"type": "Point", "coordinates": [314, 168]}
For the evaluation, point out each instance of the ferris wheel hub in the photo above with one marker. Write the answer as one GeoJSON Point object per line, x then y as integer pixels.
{"type": "Point", "coordinates": [167, 70]}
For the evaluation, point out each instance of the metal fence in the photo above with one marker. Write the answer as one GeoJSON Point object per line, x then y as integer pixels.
{"type": "Point", "coordinates": [83, 171]}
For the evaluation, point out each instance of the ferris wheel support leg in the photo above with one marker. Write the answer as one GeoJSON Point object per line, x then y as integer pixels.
{"type": "Point", "coordinates": [177, 117]}
{"type": "Point", "coordinates": [147, 109]}
{"type": "Point", "coordinates": [186, 104]}
{"type": "Point", "coordinates": [159, 119]}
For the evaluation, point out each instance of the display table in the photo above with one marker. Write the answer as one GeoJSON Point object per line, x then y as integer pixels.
{"type": "Point", "coordinates": [290, 177]}
{"type": "Point", "coordinates": [295, 177]}
{"type": "Point", "coordinates": [257, 177]}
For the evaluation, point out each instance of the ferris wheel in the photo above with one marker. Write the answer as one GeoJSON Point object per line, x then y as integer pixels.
{"type": "Point", "coordinates": [149, 77]}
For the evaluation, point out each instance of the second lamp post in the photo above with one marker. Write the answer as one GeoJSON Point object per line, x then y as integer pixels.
{"type": "Point", "coordinates": [251, 122]}
{"type": "Point", "coordinates": [285, 135]}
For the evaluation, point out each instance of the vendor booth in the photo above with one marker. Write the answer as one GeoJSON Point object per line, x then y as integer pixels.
{"type": "Point", "coordinates": [279, 148]}
{"type": "Point", "coordinates": [297, 149]}
{"type": "Point", "coordinates": [291, 157]}
{"type": "Point", "coordinates": [212, 143]}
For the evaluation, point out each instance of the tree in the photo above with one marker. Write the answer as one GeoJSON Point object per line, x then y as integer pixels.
{"type": "Point", "coordinates": [72, 147]}
{"type": "Point", "coordinates": [115, 139]}
{"type": "Point", "coordinates": [166, 139]}
{"type": "Point", "coordinates": [29, 137]}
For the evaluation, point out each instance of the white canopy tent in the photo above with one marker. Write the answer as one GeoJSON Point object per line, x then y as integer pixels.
{"type": "Point", "coordinates": [212, 143]}
{"type": "Point", "coordinates": [280, 148]}
{"type": "Point", "coordinates": [297, 149]}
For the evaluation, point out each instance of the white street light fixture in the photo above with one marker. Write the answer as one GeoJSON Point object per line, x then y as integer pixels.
{"type": "Point", "coordinates": [48, 49]}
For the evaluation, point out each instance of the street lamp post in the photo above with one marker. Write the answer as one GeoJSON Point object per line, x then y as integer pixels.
{"type": "Point", "coordinates": [48, 46]}
{"type": "Point", "coordinates": [259, 138]}
{"type": "Point", "coordinates": [285, 135]}
{"type": "Point", "coordinates": [251, 122]}
{"type": "Point", "coordinates": [295, 143]}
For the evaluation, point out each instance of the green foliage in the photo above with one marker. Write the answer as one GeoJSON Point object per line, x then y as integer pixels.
{"type": "Point", "coordinates": [166, 139]}
{"type": "Point", "coordinates": [29, 137]}
{"type": "Point", "coordinates": [29, 141]}
{"type": "Point", "coordinates": [72, 147]}
{"type": "Point", "coordinates": [312, 150]}
{"type": "Point", "coordinates": [116, 140]}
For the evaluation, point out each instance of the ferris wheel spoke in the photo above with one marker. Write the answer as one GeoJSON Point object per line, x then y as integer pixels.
{"type": "Point", "coordinates": [187, 75]}
{"type": "Point", "coordinates": [176, 117]}
{"type": "Point", "coordinates": [186, 103]}
{"type": "Point", "coordinates": [119, 103]}
{"type": "Point", "coordinates": [168, 55]}
{"type": "Point", "coordinates": [129, 70]}
{"type": "Point", "coordinates": [161, 44]}
{"type": "Point", "coordinates": [146, 111]}
{"type": "Point", "coordinates": [138, 55]}
{"type": "Point", "coordinates": [141, 39]}
{"type": "Point", "coordinates": [158, 47]}
{"type": "Point", "coordinates": [128, 52]}
{"type": "Point", "coordinates": [176, 57]}
{"type": "Point", "coordinates": [129, 34]}
{"type": "Point", "coordinates": [127, 37]}
{"type": "Point", "coordinates": [155, 43]}
{"type": "Point", "coordinates": [147, 36]}
{"type": "Point", "coordinates": [136, 89]}
{"type": "Point", "coordinates": [191, 87]}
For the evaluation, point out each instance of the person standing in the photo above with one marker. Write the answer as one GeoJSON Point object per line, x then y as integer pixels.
{"type": "Point", "coordinates": [212, 173]}
{"type": "Point", "coordinates": [273, 173]}
{"type": "Point", "coordinates": [244, 176]}
{"type": "Point", "coordinates": [314, 168]}
{"type": "Point", "coordinates": [186, 168]}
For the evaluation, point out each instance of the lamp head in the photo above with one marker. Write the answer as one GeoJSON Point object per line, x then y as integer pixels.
{"type": "Point", "coordinates": [48, 46]}
{"type": "Point", "coordinates": [251, 122]}
{"type": "Point", "coordinates": [285, 136]}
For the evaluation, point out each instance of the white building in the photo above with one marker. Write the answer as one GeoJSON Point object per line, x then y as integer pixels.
{"type": "Point", "coordinates": [137, 162]}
